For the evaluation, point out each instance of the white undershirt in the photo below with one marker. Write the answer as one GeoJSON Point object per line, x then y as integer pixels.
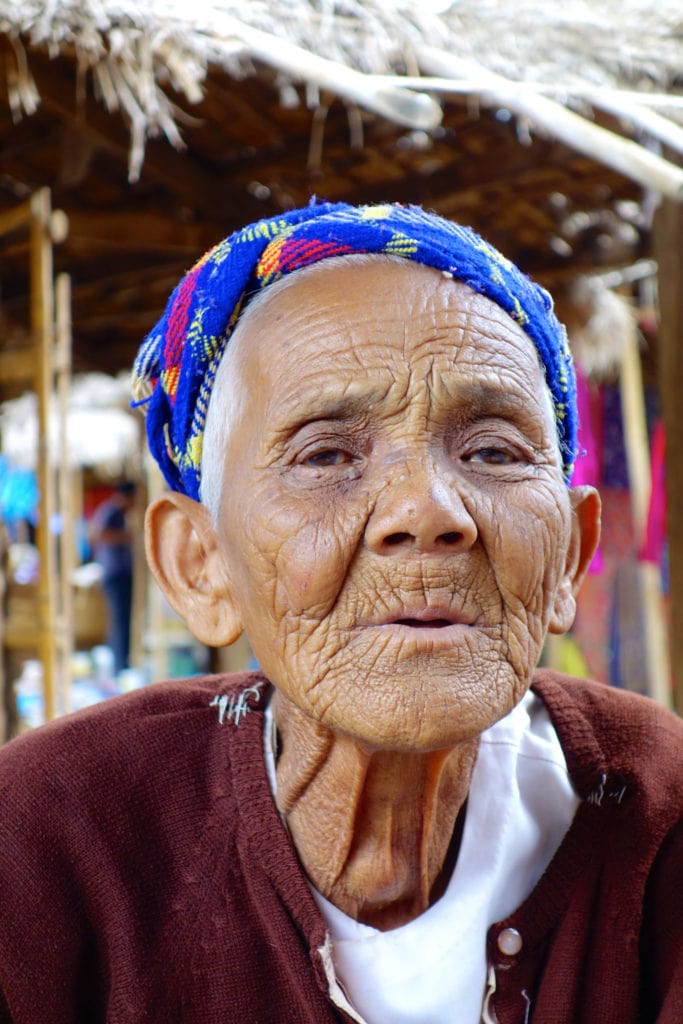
{"type": "Point", "coordinates": [433, 969]}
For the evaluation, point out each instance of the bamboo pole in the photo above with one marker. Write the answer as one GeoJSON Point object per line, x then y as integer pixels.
{"type": "Point", "coordinates": [42, 324]}
{"type": "Point", "coordinates": [16, 366]}
{"type": "Point", "coordinates": [668, 246]}
{"type": "Point", "coordinates": [67, 550]}
{"type": "Point", "coordinates": [412, 109]}
{"type": "Point", "coordinates": [599, 96]}
{"type": "Point", "coordinates": [656, 641]}
{"type": "Point", "coordinates": [554, 119]}
{"type": "Point", "coordinates": [641, 117]}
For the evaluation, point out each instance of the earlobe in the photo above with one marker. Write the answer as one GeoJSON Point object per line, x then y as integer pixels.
{"type": "Point", "coordinates": [186, 561]}
{"type": "Point", "coordinates": [583, 543]}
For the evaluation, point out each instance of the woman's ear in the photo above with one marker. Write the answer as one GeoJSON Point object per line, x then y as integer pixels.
{"type": "Point", "coordinates": [187, 563]}
{"type": "Point", "coordinates": [585, 535]}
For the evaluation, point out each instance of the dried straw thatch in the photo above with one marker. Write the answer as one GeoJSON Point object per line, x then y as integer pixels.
{"type": "Point", "coordinates": [396, 58]}
{"type": "Point", "coordinates": [601, 324]}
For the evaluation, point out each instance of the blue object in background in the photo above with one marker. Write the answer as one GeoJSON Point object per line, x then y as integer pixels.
{"type": "Point", "coordinates": [18, 493]}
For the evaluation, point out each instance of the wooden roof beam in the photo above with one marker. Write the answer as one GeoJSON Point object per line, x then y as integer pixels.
{"type": "Point", "coordinates": [129, 283]}
{"type": "Point", "coordinates": [139, 230]}
{"type": "Point", "coordinates": [668, 244]}
{"type": "Point", "coordinates": [224, 104]}
{"type": "Point", "coordinates": [554, 119]}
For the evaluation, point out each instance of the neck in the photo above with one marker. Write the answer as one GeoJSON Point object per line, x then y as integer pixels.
{"type": "Point", "coordinates": [376, 831]}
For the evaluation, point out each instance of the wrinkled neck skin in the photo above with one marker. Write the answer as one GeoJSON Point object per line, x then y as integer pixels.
{"type": "Point", "coordinates": [375, 830]}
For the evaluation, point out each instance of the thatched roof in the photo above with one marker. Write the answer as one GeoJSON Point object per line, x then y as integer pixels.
{"type": "Point", "coordinates": [549, 127]}
{"type": "Point", "coordinates": [612, 54]}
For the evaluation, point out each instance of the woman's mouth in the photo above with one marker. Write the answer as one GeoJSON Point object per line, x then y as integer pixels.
{"type": "Point", "coordinates": [424, 623]}
{"type": "Point", "coordinates": [428, 629]}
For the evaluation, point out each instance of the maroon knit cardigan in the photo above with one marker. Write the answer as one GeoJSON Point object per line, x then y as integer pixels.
{"type": "Point", "coordinates": [145, 875]}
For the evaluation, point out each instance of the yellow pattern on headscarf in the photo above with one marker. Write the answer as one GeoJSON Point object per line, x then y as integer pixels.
{"type": "Point", "coordinates": [400, 245]}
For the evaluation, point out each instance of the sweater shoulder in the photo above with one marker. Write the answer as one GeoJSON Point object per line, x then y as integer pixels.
{"type": "Point", "coordinates": [122, 736]}
{"type": "Point", "coordinates": [111, 822]}
{"type": "Point", "coordinates": [608, 733]}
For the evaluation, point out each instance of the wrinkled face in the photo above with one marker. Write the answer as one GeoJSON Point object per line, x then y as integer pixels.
{"type": "Point", "coordinates": [393, 517]}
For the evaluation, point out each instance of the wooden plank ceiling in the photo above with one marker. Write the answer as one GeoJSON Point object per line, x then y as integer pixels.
{"type": "Point", "coordinates": [248, 155]}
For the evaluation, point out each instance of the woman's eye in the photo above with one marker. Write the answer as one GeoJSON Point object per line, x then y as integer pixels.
{"type": "Point", "coordinates": [492, 457]}
{"type": "Point", "coordinates": [327, 457]}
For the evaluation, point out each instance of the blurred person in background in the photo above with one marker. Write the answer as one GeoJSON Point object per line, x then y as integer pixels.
{"type": "Point", "coordinates": [111, 540]}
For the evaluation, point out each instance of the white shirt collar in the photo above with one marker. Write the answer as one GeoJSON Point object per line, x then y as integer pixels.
{"type": "Point", "coordinates": [520, 804]}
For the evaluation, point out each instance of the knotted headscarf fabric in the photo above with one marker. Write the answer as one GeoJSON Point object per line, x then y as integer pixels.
{"type": "Point", "coordinates": [176, 366]}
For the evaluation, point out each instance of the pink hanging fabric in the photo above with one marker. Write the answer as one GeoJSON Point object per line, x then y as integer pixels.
{"type": "Point", "coordinates": [652, 547]}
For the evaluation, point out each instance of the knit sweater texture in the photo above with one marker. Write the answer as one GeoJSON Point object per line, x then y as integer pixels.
{"type": "Point", "coordinates": [146, 876]}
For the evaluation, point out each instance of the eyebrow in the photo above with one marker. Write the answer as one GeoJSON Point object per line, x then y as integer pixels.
{"type": "Point", "coordinates": [345, 408]}
{"type": "Point", "coordinates": [470, 399]}
{"type": "Point", "coordinates": [484, 400]}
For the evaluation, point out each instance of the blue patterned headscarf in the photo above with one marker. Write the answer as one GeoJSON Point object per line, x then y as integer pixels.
{"type": "Point", "coordinates": [176, 366]}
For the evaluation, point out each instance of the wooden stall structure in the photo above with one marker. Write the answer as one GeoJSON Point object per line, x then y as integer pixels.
{"type": "Point", "coordinates": [36, 355]}
{"type": "Point", "coordinates": [554, 130]}
{"type": "Point", "coordinates": [668, 241]}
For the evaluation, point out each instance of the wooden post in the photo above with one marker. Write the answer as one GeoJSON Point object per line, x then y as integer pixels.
{"type": "Point", "coordinates": [42, 325]}
{"type": "Point", "coordinates": [67, 550]}
{"type": "Point", "coordinates": [638, 457]}
{"type": "Point", "coordinates": [668, 248]}
{"type": "Point", "coordinates": [16, 366]}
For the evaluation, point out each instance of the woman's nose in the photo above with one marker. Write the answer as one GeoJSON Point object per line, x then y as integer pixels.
{"type": "Point", "coordinates": [420, 509]}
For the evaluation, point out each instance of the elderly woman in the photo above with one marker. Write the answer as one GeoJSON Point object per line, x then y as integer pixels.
{"type": "Point", "coordinates": [367, 421]}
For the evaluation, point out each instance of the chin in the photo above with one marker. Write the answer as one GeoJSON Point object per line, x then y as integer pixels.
{"type": "Point", "coordinates": [429, 713]}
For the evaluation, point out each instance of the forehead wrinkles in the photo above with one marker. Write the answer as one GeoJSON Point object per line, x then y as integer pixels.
{"type": "Point", "coordinates": [489, 336]}
{"type": "Point", "coordinates": [492, 341]}
{"type": "Point", "coordinates": [305, 357]}
{"type": "Point", "coordinates": [406, 330]}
